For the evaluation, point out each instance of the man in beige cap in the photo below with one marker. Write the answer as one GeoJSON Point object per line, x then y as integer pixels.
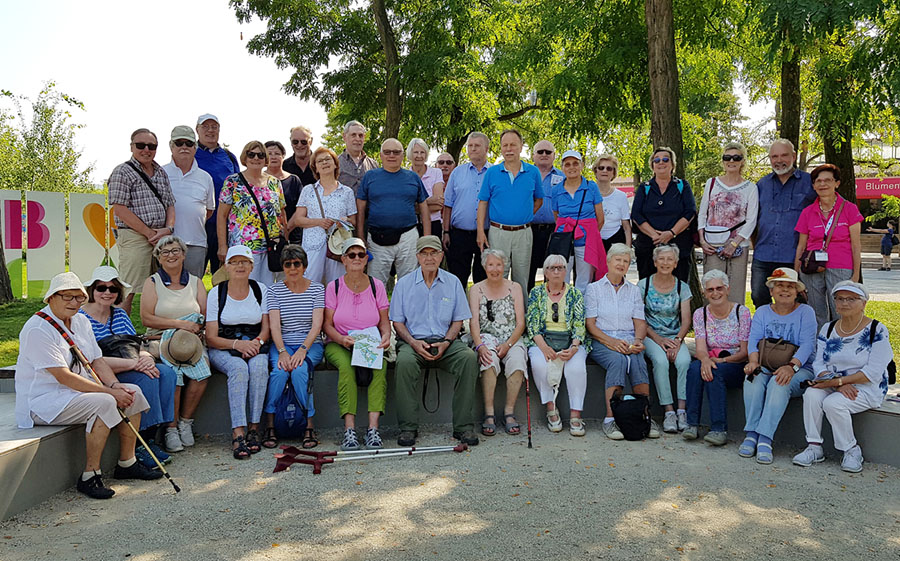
{"type": "Point", "coordinates": [52, 388]}
{"type": "Point", "coordinates": [195, 197]}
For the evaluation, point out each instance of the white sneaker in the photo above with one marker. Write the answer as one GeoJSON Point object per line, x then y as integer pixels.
{"type": "Point", "coordinates": [173, 441]}
{"type": "Point", "coordinates": [670, 423]}
{"type": "Point", "coordinates": [186, 431]}
{"type": "Point", "coordinates": [812, 455]}
{"type": "Point", "coordinates": [576, 426]}
{"type": "Point", "coordinates": [682, 421]}
{"type": "Point", "coordinates": [611, 430]}
{"type": "Point", "coordinates": [654, 430]}
{"type": "Point", "coordinates": [853, 460]}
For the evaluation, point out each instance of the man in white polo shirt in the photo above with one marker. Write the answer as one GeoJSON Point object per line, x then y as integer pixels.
{"type": "Point", "coordinates": [195, 197]}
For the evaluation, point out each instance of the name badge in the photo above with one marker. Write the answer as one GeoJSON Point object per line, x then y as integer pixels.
{"type": "Point", "coordinates": [555, 180]}
{"type": "Point", "coordinates": [822, 256]}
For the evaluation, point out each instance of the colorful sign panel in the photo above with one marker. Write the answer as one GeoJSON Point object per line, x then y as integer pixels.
{"type": "Point", "coordinates": [874, 187]}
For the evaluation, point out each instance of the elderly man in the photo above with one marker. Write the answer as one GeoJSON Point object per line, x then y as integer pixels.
{"type": "Point", "coordinates": [543, 225]}
{"type": "Point", "coordinates": [460, 212]}
{"type": "Point", "coordinates": [392, 195]}
{"type": "Point", "coordinates": [353, 162]}
{"type": "Point", "coordinates": [195, 197]}
{"type": "Point", "coordinates": [299, 165]}
{"type": "Point", "coordinates": [783, 194]}
{"type": "Point", "coordinates": [144, 207]}
{"type": "Point", "coordinates": [511, 193]}
{"type": "Point", "coordinates": [52, 388]}
{"type": "Point", "coordinates": [219, 163]}
{"type": "Point", "coordinates": [446, 164]}
{"type": "Point", "coordinates": [427, 308]}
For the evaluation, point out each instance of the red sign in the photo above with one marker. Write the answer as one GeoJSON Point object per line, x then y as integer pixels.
{"type": "Point", "coordinates": [873, 187]}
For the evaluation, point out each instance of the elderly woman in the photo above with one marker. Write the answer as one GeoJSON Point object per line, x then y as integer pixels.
{"type": "Point", "coordinates": [557, 338]}
{"type": "Point", "coordinates": [769, 387]}
{"type": "Point", "coordinates": [320, 206]}
{"type": "Point", "coordinates": [727, 218]}
{"type": "Point", "coordinates": [887, 244]}
{"type": "Point", "coordinates": [497, 325]}
{"type": "Point", "coordinates": [251, 209]}
{"type": "Point", "coordinates": [614, 316]}
{"type": "Point", "coordinates": [173, 299]}
{"type": "Point", "coordinates": [291, 185]}
{"type": "Point", "coordinates": [721, 329]}
{"type": "Point", "coordinates": [578, 207]}
{"type": "Point", "coordinates": [667, 307]}
{"type": "Point", "coordinates": [616, 226]}
{"type": "Point", "coordinates": [432, 178]}
{"type": "Point", "coordinates": [296, 309]}
{"type": "Point", "coordinates": [356, 302]}
{"type": "Point", "coordinates": [662, 211]}
{"type": "Point", "coordinates": [828, 250]}
{"type": "Point", "coordinates": [852, 358]}
{"type": "Point", "coordinates": [237, 329]}
{"type": "Point", "coordinates": [157, 382]}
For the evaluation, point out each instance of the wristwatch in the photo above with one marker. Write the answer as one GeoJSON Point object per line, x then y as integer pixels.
{"type": "Point", "coordinates": [795, 367]}
{"type": "Point", "coordinates": [261, 342]}
{"type": "Point", "coordinates": [734, 243]}
{"type": "Point", "coordinates": [304, 347]}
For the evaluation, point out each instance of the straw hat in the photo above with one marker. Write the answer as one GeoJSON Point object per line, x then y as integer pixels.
{"type": "Point", "coordinates": [785, 274]}
{"type": "Point", "coordinates": [336, 239]}
{"type": "Point", "coordinates": [220, 275]}
{"type": "Point", "coordinates": [64, 281]}
{"type": "Point", "coordinates": [183, 348]}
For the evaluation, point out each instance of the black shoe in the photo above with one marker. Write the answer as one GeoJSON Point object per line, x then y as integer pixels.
{"type": "Point", "coordinates": [467, 437]}
{"type": "Point", "coordinates": [137, 470]}
{"type": "Point", "coordinates": [94, 488]}
{"type": "Point", "coordinates": [407, 438]}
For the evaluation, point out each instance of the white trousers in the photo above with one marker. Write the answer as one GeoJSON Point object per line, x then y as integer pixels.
{"type": "Point", "coordinates": [89, 406]}
{"type": "Point", "coordinates": [584, 271]}
{"type": "Point", "coordinates": [837, 408]}
{"type": "Point", "coordinates": [322, 269]}
{"type": "Point", "coordinates": [261, 272]}
{"type": "Point", "coordinates": [575, 372]}
{"type": "Point", "coordinates": [402, 254]}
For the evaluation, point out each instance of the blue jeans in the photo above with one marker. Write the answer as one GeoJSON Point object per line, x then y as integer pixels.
{"type": "Point", "coordinates": [160, 394]}
{"type": "Point", "coordinates": [725, 375]}
{"type": "Point", "coordinates": [299, 377]}
{"type": "Point", "coordinates": [765, 401]}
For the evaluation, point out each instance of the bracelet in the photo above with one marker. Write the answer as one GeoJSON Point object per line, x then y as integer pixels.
{"type": "Point", "coordinates": [233, 343]}
{"type": "Point", "coordinates": [674, 235]}
{"type": "Point", "coordinates": [734, 243]}
{"type": "Point", "coordinates": [840, 381]}
{"type": "Point", "coordinates": [282, 351]}
{"type": "Point", "coordinates": [478, 347]}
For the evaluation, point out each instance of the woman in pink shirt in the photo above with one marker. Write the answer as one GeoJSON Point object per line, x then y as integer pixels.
{"type": "Point", "coordinates": [356, 301]}
{"type": "Point", "coordinates": [827, 264]}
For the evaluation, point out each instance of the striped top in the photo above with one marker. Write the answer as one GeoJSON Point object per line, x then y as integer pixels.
{"type": "Point", "coordinates": [118, 324]}
{"type": "Point", "coordinates": [296, 309]}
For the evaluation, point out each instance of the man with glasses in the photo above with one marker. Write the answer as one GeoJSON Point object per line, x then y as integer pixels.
{"type": "Point", "coordinates": [392, 196]}
{"type": "Point", "coordinates": [446, 164]}
{"type": "Point", "coordinates": [544, 223]}
{"type": "Point", "coordinates": [353, 162]}
{"type": "Point", "coordinates": [195, 197]}
{"type": "Point", "coordinates": [219, 163]}
{"type": "Point", "coordinates": [428, 307]}
{"type": "Point", "coordinates": [299, 164]}
{"type": "Point", "coordinates": [144, 209]}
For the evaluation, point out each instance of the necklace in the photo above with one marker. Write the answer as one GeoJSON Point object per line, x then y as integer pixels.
{"type": "Point", "coordinates": [841, 326]}
{"type": "Point", "coordinates": [555, 293]}
{"type": "Point", "coordinates": [615, 285]}
{"type": "Point", "coordinates": [824, 211]}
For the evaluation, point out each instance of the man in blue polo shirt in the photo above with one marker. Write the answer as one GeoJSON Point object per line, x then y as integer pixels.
{"type": "Point", "coordinates": [461, 211]}
{"type": "Point", "coordinates": [511, 193]}
{"type": "Point", "coordinates": [219, 163]}
{"type": "Point", "coordinates": [392, 196]}
{"type": "Point", "coordinates": [543, 225]}
{"type": "Point", "coordinates": [783, 194]}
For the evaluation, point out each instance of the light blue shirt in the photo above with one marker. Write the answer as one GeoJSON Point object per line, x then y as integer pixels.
{"type": "Point", "coordinates": [544, 215]}
{"type": "Point", "coordinates": [511, 199]}
{"type": "Point", "coordinates": [779, 209]}
{"type": "Point", "coordinates": [428, 312]}
{"type": "Point", "coordinates": [461, 195]}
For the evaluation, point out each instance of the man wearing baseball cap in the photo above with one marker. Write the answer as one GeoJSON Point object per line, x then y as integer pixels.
{"type": "Point", "coordinates": [219, 163]}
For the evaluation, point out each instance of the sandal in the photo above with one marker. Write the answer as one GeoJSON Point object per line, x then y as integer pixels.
{"type": "Point", "coordinates": [271, 441]}
{"type": "Point", "coordinates": [488, 429]}
{"type": "Point", "coordinates": [240, 452]}
{"type": "Point", "coordinates": [557, 425]}
{"type": "Point", "coordinates": [309, 439]}
{"type": "Point", "coordinates": [253, 442]}
{"type": "Point", "coordinates": [513, 427]}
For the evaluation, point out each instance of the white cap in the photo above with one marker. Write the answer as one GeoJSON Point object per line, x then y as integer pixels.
{"type": "Point", "coordinates": [64, 281]}
{"type": "Point", "coordinates": [352, 242]}
{"type": "Point", "coordinates": [105, 273]}
{"type": "Point", "coordinates": [238, 250]}
{"type": "Point", "coordinates": [206, 117]}
{"type": "Point", "coordinates": [572, 154]}
{"type": "Point", "coordinates": [853, 287]}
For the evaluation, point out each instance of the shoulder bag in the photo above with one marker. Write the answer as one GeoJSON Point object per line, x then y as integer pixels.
{"type": "Point", "coordinates": [563, 243]}
{"type": "Point", "coordinates": [273, 247]}
{"type": "Point", "coordinates": [149, 183]}
{"type": "Point", "coordinates": [717, 235]}
{"type": "Point", "coordinates": [328, 253]}
{"type": "Point", "coordinates": [808, 262]}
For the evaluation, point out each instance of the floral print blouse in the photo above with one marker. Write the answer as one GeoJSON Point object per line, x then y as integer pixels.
{"type": "Point", "coordinates": [536, 315]}
{"type": "Point", "coordinates": [244, 226]}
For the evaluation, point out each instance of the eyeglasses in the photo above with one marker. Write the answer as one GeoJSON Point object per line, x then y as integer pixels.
{"type": "Point", "coordinates": [356, 255]}
{"type": "Point", "coordinates": [106, 288]}
{"type": "Point", "coordinates": [148, 145]}
{"type": "Point", "coordinates": [212, 127]}
{"type": "Point", "coordinates": [824, 180]}
{"type": "Point", "coordinates": [445, 162]}
{"type": "Point", "coordinates": [392, 152]}
{"type": "Point", "coordinates": [181, 142]}
{"type": "Point", "coordinates": [716, 289]}
{"type": "Point", "coordinates": [430, 254]}
{"type": "Point", "coordinates": [604, 168]}
{"type": "Point", "coordinates": [664, 160]}
{"type": "Point", "coordinates": [256, 155]}
{"type": "Point", "coordinates": [296, 141]}
{"type": "Point", "coordinates": [173, 252]}
{"type": "Point", "coordinates": [323, 161]}
{"type": "Point", "coordinates": [80, 298]}
{"type": "Point", "coordinates": [554, 307]}
{"type": "Point", "coordinates": [732, 157]}
{"type": "Point", "coordinates": [847, 299]}
{"type": "Point", "coordinates": [556, 268]}
{"type": "Point", "coordinates": [543, 152]}
{"type": "Point", "coordinates": [240, 263]}
{"type": "Point", "coordinates": [292, 264]}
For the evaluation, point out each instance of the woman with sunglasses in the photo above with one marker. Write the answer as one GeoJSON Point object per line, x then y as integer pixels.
{"type": "Point", "coordinates": [662, 211]}
{"type": "Point", "coordinates": [157, 381]}
{"type": "Point", "coordinates": [557, 343]}
{"type": "Point", "coordinates": [239, 215]}
{"type": "Point", "coordinates": [353, 302]}
{"type": "Point", "coordinates": [497, 325]}
{"type": "Point", "coordinates": [617, 213]}
{"type": "Point", "coordinates": [727, 218]}
{"type": "Point", "coordinates": [296, 310]}
{"type": "Point", "coordinates": [291, 185]}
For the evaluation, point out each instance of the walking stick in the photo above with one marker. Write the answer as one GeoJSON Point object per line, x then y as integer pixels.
{"type": "Point", "coordinates": [87, 365]}
{"type": "Point", "coordinates": [318, 459]}
{"type": "Point", "coordinates": [528, 407]}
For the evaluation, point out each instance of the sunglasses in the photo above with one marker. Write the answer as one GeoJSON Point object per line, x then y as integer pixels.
{"type": "Point", "coordinates": [732, 158]}
{"type": "Point", "coordinates": [663, 160]}
{"type": "Point", "coordinates": [445, 162]}
{"type": "Point", "coordinates": [604, 168]}
{"type": "Point", "coordinates": [80, 298]}
{"type": "Point", "coordinates": [554, 307]}
{"type": "Point", "coordinates": [303, 141]}
{"type": "Point", "coordinates": [356, 255]}
{"type": "Point", "coordinates": [148, 145]}
{"type": "Point", "coordinates": [489, 306]}
{"type": "Point", "coordinates": [181, 142]}
{"type": "Point", "coordinates": [392, 152]}
{"type": "Point", "coordinates": [543, 152]}
{"type": "Point", "coordinates": [105, 288]}
{"type": "Point", "coordinates": [292, 264]}
{"type": "Point", "coordinates": [256, 155]}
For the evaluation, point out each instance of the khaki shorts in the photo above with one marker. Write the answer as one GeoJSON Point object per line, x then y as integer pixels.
{"type": "Point", "coordinates": [136, 262]}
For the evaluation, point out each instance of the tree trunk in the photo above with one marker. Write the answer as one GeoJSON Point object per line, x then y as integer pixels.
{"type": "Point", "coordinates": [6, 294]}
{"type": "Point", "coordinates": [789, 126]}
{"type": "Point", "coordinates": [839, 151]}
{"type": "Point", "coordinates": [392, 69]}
{"type": "Point", "coordinates": [665, 113]}
{"type": "Point", "coordinates": [454, 147]}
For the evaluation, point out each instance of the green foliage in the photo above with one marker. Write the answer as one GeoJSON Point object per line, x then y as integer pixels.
{"type": "Point", "coordinates": [890, 209]}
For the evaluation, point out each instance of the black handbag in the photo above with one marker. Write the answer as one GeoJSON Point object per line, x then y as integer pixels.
{"type": "Point", "coordinates": [121, 346]}
{"type": "Point", "coordinates": [563, 243]}
{"type": "Point", "coordinates": [273, 247]}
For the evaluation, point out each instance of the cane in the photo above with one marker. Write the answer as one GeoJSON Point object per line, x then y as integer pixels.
{"type": "Point", "coordinates": [528, 407]}
{"type": "Point", "coordinates": [318, 459]}
{"type": "Point", "coordinates": [87, 365]}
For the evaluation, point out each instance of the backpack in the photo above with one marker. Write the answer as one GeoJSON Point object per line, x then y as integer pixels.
{"type": "Point", "coordinates": [242, 330]}
{"type": "Point", "coordinates": [632, 415]}
{"type": "Point", "coordinates": [290, 415]}
{"type": "Point", "coordinates": [891, 367]}
{"type": "Point", "coordinates": [363, 375]}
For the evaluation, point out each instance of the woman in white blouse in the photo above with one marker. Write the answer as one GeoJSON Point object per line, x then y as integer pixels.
{"type": "Point", "coordinates": [617, 223]}
{"type": "Point", "coordinates": [432, 179]}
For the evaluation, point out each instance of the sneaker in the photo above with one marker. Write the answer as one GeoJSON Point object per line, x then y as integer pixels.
{"type": "Point", "coordinates": [576, 426]}
{"type": "Point", "coordinates": [691, 433]}
{"type": "Point", "coordinates": [467, 437]}
{"type": "Point", "coordinates": [173, 441]}
{"type": "Point", "coordinates": [853, 460]}
{"type": "Point", "coordinates": [670, 423]}
{"type": "Point", "coordinates": [682, 421]}
{"type": "Point", "coordinates": [186, 431]}
{"type": "Point", "coordinates": [612, 432]}
{"type": "Point", "coordinates": [407, 438]}
{"type": "Point", "coordinates": [716, 437]}
{"type": "Point", "coordinates": [161, 455]}
{"type": "Point", "coordinates": [350, 442]}
{"type": "Point", "coordinates": [812, 455]}
{"type": "Point", "coordinates": [137, 470]}
{"type": "Point", "coordinates": [143, 456]}
{"type": "Point", "coordinates": [94, 488]}
{"type": "Point", "coordinates": [373, 439]}
{"type": "Point", "coordinates": [654, 430]}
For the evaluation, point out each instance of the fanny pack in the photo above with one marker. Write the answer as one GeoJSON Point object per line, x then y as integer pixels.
{"type": "Point", "coordinates": [388, 236]}
{"type": "Point", "coordinates": [557, 340]}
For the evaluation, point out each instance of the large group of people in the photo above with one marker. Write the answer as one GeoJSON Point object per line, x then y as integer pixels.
{"type": "Point", "coordinates": [309, 246]}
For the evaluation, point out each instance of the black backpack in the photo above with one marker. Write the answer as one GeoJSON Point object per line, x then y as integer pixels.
{"type": "Point", "coordinates": [242, 330]}
{"type": "Point", "coordinates": [363, 375]}
{"type": "Point", "coordinates": [632, 415]}
{"type": "Point", "coordinates": [891, 367]}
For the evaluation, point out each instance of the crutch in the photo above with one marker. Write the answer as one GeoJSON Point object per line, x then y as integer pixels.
{"type": "Point", "coordinates": [318, 459]}
{"type": "Point", "coordinates": [528, 407]}
{"type": "Point", "coordinates": [87, 365]}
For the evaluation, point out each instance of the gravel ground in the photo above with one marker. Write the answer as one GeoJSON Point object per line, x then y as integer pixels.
{"type": "Point", "coordinates": [568, 498]}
